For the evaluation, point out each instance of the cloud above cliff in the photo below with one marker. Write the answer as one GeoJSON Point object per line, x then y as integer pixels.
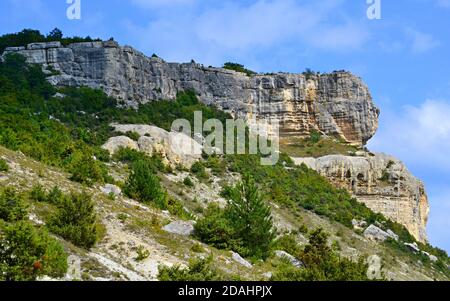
{"type": "Point", "coordinates": [161, 3]}
{"type": "Point", "coordinates": [421, 42]}
{"type": "Point", "coordinates": [242, 28]}
{"type": "Point", "coordinates": [443, 3]}
{"type": "Point", "coordinates": [418, 134]}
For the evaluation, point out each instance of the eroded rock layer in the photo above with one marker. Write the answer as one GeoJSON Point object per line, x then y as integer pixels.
{"type": "Point", "coordinates": [336, 104]}
{"type": "Point", "coordinates": [383, 183]}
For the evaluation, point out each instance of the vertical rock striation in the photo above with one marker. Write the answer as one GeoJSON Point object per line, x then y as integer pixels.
{"type": "Point", "coordinates": [336, 104]}
{"type": "Point", "coordinates": [381, 182]}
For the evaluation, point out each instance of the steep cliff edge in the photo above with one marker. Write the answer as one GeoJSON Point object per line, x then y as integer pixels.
{"type": "Point", "coordinates": [337, 104]}
{"type": "Point", "coordinates": [381, 182]}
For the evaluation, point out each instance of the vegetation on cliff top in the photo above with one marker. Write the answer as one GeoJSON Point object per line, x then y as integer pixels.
{"type": "Point", "coordinates": [67, 132]}
{"type": "Point", "coordinates": [28, 36]}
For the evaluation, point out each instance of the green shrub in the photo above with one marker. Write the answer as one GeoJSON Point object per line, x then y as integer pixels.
{"type": "Point", "coordinates": [199, 170]}
{"type": "Point", "coordinates": [38, 194]}
{"type": "Point", "coordinates": [188, 182]}
{"type": "Point", "coordinates": [197, 248]}
{"type": "Point", "coordinates": [176, 208]}
{"type": "Point", "coordinates": [28, 36]}
{"type": "Point", "coordinates": [75, 220]}
{"type": "Point", "coordinates": [309, 74]}
{"type": "Point", "coordinates": [12, 206]}
{"type": "Point", "coordinates": [142, 253]}
{"type": "Point", "coordinates": [85, 169]}
{"type": "Point", "coordinates": [55, 196]}
{"type": "Point", "coordinates": [216, 229]}
{"type": "Point", "coordinates": [198, 270]}
{"type": "Point", "coordinates": [27, 253]}
{"type": "Point", "coordinates": [238, 68]}
{"type": "Point", "coordinates": [133, 135]}
{"type": "Point", "coordinates": [4, 167]}
{"type": "Point", "coordinates": [314, 136]}
{"type": "Point", "coordinates": [144, 186]}
{"type": "Point", "coordinates": [322, 263]}
{"type": "Point", "coordinates": [289, 244]}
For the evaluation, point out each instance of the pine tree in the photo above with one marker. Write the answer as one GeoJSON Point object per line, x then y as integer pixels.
{"type": "Point", "coordinates": [144, 186]}
{"type": "Point", "coordinates": [56, 34]}
{"type": "Point", "coordinates": [251, 218]}
{"type": "Point", "coordinates": [75, 220]}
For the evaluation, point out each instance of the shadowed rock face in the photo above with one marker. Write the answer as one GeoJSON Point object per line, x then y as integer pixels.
{"type": "Point", "coordinates": [383, 183]}
{"type": "Point", "coordinates": [336, 104]}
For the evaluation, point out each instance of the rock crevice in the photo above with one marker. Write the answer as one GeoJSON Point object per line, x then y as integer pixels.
{"type": "Point", "coordinates": [337, 104]}
{"type": "Point", "coordinates": [383, 183]}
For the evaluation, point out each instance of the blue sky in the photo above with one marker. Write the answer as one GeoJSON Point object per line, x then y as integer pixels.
{"type": "Point", "coordinates": [404, 58]}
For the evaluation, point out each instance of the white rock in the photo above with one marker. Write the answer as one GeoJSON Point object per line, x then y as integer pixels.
{"type": "Point", "coordinates": [115, 143]}
{"type": "Point", "coordinates": [294, 261]}
{"type": "Point", "coordinates": [267, 275]}
{"type": "Point", "coordinates": [238, 258]}
{"type": "Point", "coordinates": [359, 224]}
{"type": "Point", "coordinates": [432, 257]}
{"type": "Point", "coordinates": [112, 189]}
{"type": "Point", "coordinates": [376, 234]}
{"type": "Point", "coordinates": [180, 227]}
{"type": "Point", "coordinates": [413, 247]}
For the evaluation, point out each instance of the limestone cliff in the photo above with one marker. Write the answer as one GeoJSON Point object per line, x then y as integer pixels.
{"type": "Point", "coordinates": [336, 104]}
{"type": "Point", "coordinates": [381, 182]}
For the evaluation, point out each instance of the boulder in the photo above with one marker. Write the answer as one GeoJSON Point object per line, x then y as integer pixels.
{"type": "Point", "coordinates": [294, 261]}
{"type": "Point", "coordinates": [238, 258]}
{"type": "Point", "coordinates": [115, 143]}
{"type": "Point", "coordinates": [413, 247]}
{"type": "Point", "coordinates": [175, 148]}
{"type": "Point", "coordinates": [109, 189]}
{"type": "Point", "coordinates": [376, 234]}
{"type": "Point", "coordinates": [431, 257]}
{"type": "Point", "coordinates": [180, 227]}
{"type": "Point", "coordinates": [359, 224]}
{"type": "Point", "coordinates": [382, 182]}
{"type": "Point", "coordinates": [147, 145]}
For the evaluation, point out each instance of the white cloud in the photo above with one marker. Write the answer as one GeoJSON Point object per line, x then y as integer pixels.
{"type": "Point", "coordinates": [421, 42]}
{"type": "Point", "coordinates": [161, 3]}
{"type": "Point", "coordinates": [342, 37]}
{"type": "Point", "coordinates": [240, 29]}
{"type": "Point", "coordinates": [443, 3]}
{"type": "Point", "coordinates": [418, 134]}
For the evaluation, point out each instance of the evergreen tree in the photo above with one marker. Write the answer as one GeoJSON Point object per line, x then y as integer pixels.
{"type": "Point", "coordinates": [26, 253]}
{"type": "Point", "coordinates": [144, 186]}
{"type": "Point", "coordinates": [251, 218]}
{"type": "Point", "coordinates": [56, 34]}
{"type": "Point", "coordinates": [75, 220]}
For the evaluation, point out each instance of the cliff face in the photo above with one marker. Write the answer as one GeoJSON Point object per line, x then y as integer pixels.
{"type": "Point", "coordinates": [336, 104]}
{"type": "Point", "coordinates": [381, 182]}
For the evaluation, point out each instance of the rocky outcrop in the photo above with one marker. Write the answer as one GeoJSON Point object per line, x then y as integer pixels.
{"type": "Point", "coordinates": [180, 227]}
{"type": "Point", "coordinates": [294, 261]}
{"type": "Point", "coordinates": [381, 182]}
{"type": "Point", "coordinates": [376, 234]}
{"type": "Point", "coordinates": [175, 148]}
{"type": "Point", "coordinates": [337, 104]}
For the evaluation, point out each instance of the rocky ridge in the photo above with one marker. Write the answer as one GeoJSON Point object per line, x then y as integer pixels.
{"type": "Point", "coordinates": [380, 181]}
{"type": "Point", "coordinates": [337, 104]}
